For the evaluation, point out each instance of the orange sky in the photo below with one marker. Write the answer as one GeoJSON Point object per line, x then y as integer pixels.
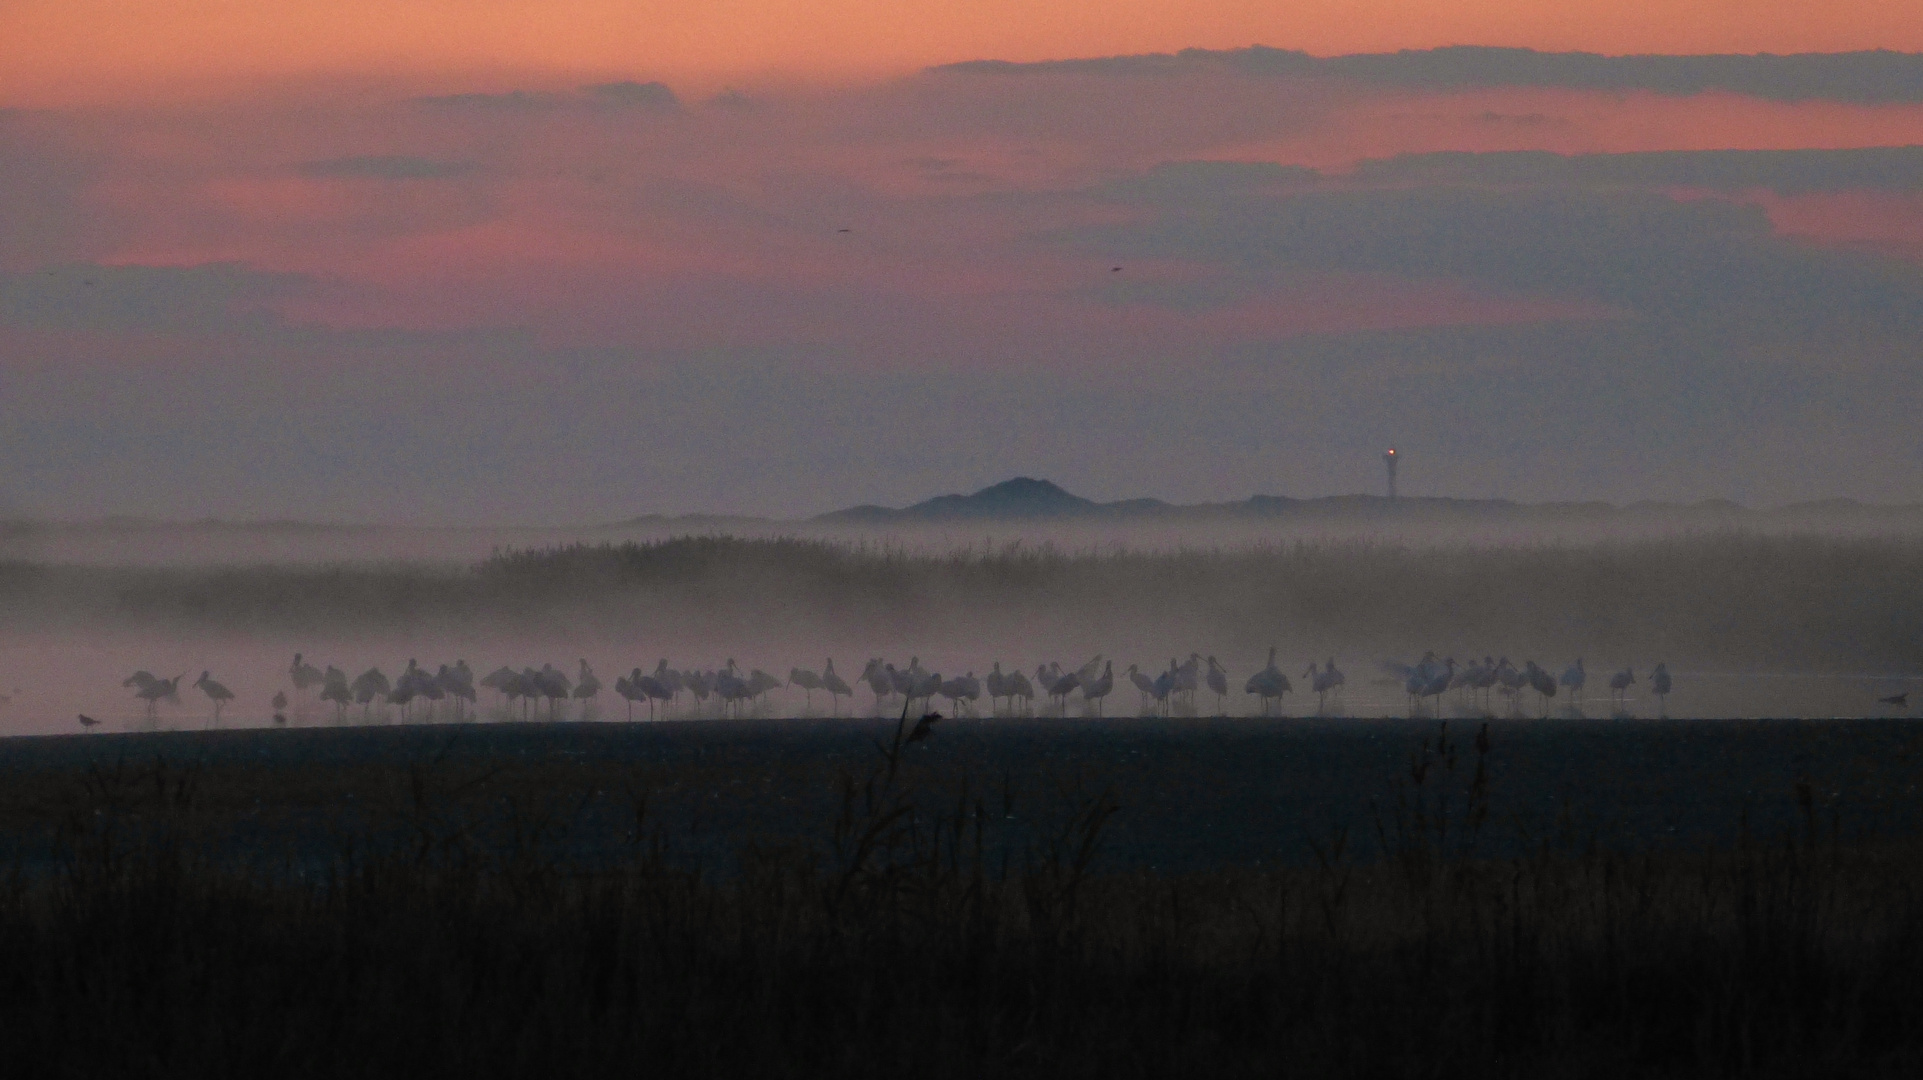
{"type": "Point", "coordinates": [67, 51]}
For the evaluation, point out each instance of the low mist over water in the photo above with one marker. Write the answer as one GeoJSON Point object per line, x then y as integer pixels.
{"type": "Point", "coordinates": [1014, 513]}
{"type": "Point", "coordinates": [1752, 615]}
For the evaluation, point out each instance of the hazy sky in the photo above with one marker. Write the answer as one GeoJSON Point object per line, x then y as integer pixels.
{"type": "Point", "coordinates": [434, 260]}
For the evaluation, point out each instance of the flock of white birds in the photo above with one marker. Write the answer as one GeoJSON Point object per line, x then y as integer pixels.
{"type": "Point", "coordinates": [453, 692]}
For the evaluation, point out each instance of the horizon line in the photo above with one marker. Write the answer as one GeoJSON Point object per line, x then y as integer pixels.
{"type": "Point", "coordinates": [135, 520]}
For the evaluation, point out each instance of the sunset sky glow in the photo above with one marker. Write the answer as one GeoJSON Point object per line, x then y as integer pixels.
{"type": "Point", "coordinates": [429, 260]}
{"type": "Point", "coordinates": [62, 51]}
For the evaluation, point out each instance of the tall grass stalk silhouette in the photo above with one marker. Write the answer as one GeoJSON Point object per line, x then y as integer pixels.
{"type": "Point", "coordinates": [451, 933]}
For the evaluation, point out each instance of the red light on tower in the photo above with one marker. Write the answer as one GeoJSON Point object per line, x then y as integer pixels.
{"type": "Point", "coordinates": [1389, 459]}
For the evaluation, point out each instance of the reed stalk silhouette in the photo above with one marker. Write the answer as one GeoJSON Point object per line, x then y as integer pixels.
{"type": "Point", "coordinates": [455, 930]}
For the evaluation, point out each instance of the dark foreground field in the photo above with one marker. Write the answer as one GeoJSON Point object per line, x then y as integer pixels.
{"type": "Point", "coordinates": [1122, 898]}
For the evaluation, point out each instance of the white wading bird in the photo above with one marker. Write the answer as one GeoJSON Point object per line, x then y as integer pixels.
{"type": "Point", "coordinates": [1098, 689]}
{"type": "Point", "coordinates": [1144, 686]}
{"type": "Point", "coordinates": [809, 683]}
{"type": "Point", "coordinates": [1573, 678]}
{"type": "Point", "coordinates": [1659, 682]}
{"type": "Point", "coordinates": [1619, 685]}
{"type": "Point", "coordinates": [1218, 679]}
{"type": "Point", "coordinates": [837, 689]}
{"type": "Point", "coordinates": [1269, 684]}
{"type": "Point", "coordinates": [305, 677]}
{"type": "Point", "coordinates": [586, 687]}
{"type": "Point", "coordinates": [215, 692]}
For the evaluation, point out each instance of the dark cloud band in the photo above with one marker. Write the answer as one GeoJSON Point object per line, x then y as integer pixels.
{"type": "Point", "coordinates": [1786, 172]}
{"type": "Point", "coordinates": [626, 94]}
{"type": "Point", "coordinates": [383, 167]}
{"type": "Point", "coordinates": [1863, 77]}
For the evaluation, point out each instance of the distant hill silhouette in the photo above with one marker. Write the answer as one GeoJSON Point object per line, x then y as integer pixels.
{"type": "Point", "coordinates": [1020, 498]}
{"type": "Point", "coordinates": [1027, 499]}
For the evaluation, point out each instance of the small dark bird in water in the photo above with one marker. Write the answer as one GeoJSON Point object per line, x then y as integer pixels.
{"type": "Point", "coordinates": [924, 727]}
{"type": "Point", "coordinates": [280, 700]}
{"type": "Point", "coordinates": [280, 719]}
{"type": "Point", "coordinates": [87, 721]}
{"type": "Point", "coordinates": [1895, 699]}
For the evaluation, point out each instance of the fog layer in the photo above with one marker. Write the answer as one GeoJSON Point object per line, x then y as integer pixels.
{"type": "Point", "coordinates": [1740, 606]}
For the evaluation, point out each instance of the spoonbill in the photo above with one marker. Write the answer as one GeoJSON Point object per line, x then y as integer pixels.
{"type": "Point", "coordinates": [837, 689]}
{"type": "Point", "coordinates": [305, 677]}
{"type": "Point", "coordinates": [880, 679]}
{"type": "Point", "coordinates": [1187, 677]}
{"type": "Point", "coordinates": [1144, 685]}
{"type": "Point", "coordinates": [1019, 687]}
{"type": "Point", "coordinates": [997, 688]}
{"type": "Point", "coordinates": [1098, 689]}
{"type": "Point", "coordinates": [334, 688]}
{"type": "Point", "coordinates": [1486, 675]}
{"type": "Point", "coordinates": [759, 683]}
{"type": "Point", "coordinates": [215, 692]}
{"type": "Point", "coordinates": [402, 693]}
{"type": "Point", "coordinates": [498, 680]}
{"type": "Point", "coordinates": [432, 688]}
{"type": "Point", "coordinates": [1512, 682]}
{"type": "Point", "coordinates": [553, 686]}
{"type": "Point", "coordinates": [731, 688]}
{"type": "Point", "coordinates": [655, 690]}
{"type": "Point", "coordinates": [1415, 679]}
{"type": "Point", "coordinates": [1334, 674]}
{"type": "Point", "coordinates": [1573, 678]}
{"type": "Point", "coordinates": [698, 683]}
{"type": "Point", "coordinates": [522, 686]}
{"type": "Point", "coordinates": [954, 690]}
{"type": "Point", "coordinates": [905, 680]}
{"type": "Point", "coordinates": [586, 687]}
{"type": "Point", "coordinates": [1619, 684]}
{"type": "Point", "coordinates": [368, 687]}
{"type": "Point", "coordinates": [1063, 686]}
{"type": "Point", "coordinates": [809, 683]}
{"type": "Point", "coordinates": [1441, 682]}
{"type": "Point", "coordinates": [1659, 682]}
{"type": "Point", "coordinates": [1269, 684]}
{"type": "Point", "coordinates": [625, 689]}
{"type": "Point", "coordinates": [1320, 682]}
{"type": "Point", "coordinates": [971, 689]}
{"type": "Point", "coordinates": [458, 681]}
{"type": "Point", "coordinates": [153, 691]}
{"type": "Point", "coordinates": [925, 688]}
{"type": "Point", "coordinates": [1218, 679]}
{"type": "Point", "coordinates": [1541, 682]}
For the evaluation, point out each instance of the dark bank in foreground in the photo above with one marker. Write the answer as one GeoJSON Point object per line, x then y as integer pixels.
{"type": "Point", "coordinates": [937, 921]}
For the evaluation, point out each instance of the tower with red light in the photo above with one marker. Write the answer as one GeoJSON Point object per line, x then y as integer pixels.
{"type": "Point", "coordinates": [1389, 459]}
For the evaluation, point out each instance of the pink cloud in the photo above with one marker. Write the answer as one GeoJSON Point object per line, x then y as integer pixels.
{"type": "Point", "coordinates": [721, 225]}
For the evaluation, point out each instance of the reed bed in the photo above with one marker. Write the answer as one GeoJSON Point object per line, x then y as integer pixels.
{"type": "Point", "coordinates": [904, 940]}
